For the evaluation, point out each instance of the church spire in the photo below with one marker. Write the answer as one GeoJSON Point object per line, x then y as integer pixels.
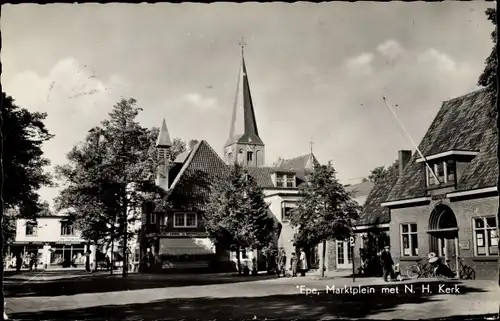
{"type": "Point", "coordinates": [243, 123]}
{"type": "Point", "coordinates": [163, 136]}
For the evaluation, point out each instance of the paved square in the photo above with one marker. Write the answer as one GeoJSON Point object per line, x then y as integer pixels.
{"type": "Point", "coordinates": [77, 296]}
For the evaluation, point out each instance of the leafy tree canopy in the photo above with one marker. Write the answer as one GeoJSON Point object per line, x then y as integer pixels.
{"type": "Point", "coordinates": [237, 215]}
{"type": "Point", "coordinates": [325, 211]}
{"type": "Point", "coordinates": [109, 175]}
{"type": "Point", "coordinates": [23, 134]}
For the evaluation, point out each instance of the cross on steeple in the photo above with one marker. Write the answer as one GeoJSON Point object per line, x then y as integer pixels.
{"type": "Point", "coordinates": [242, 43]}
{"type": "Point", "coordinates": [311, 143]}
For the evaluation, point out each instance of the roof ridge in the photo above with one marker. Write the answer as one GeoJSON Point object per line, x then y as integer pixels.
{"type": "Point", "coordinates": [186, 164]}
{"type": "Point", "coordinates": [472, 93]}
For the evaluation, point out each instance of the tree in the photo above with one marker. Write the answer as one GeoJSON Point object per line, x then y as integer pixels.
{"type": "Point", "coordinates": [109, 176]}
{"type": "Point", "coordinates": [377, 173]}
{"type": "Point", "coordinates": [326, 211]}
{"type": "Point", "coordinates": [237, 216]}
{"type": "Point", "coordinates": [22, 161]}
{"type": "Point", "coordinates": [23, 134]}
{"type": "Point", "coordinates": [488, 77]}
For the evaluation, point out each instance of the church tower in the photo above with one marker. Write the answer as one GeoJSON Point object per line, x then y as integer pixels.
{"type": "Point", "coordinates": [244, 145]}
{"type": "Point", "coordinates": [163, 145]}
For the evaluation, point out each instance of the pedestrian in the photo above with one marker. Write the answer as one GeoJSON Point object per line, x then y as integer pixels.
{"type": "Point", "coordinates": [32, 261]}
{"type": "Point", "coordinates": [281, 264]}
{"type": "Point", "coordinates": [302, 263]}
{"type": "Point", "coordinates": [387, 264]}
{"type": "Point", "coordinates": [293, 264]}
{"type": "Point", "coordinates": [19, 262]}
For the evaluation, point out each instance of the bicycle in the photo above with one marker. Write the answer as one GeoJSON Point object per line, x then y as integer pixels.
{"type": "Point", "coordinates": [466, 272]}
{"type": "Point", "coordinates": [420, 270]}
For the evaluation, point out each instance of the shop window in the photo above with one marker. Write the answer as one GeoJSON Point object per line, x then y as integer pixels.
{"type": "Point", "coordinates": [409, 240]}
{"type": "Point", "coordinates": [485, 236]}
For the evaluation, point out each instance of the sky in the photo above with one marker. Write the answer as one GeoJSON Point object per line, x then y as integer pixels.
{"type": "Point", "coordinates": [317, 71]}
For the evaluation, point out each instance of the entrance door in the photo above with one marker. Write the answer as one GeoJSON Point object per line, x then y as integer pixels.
{"type": "Point", "coordinates": [344, 255]}
{"type": "Point", "coordinates": [447, 251]}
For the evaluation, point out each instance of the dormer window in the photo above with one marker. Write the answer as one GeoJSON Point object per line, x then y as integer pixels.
{"type": "Point", "coordinates": [285, 180]}
{"type": "Point", "coordinates": [444, 170]}
{"type": "Point", "coordinates": [280, 182]}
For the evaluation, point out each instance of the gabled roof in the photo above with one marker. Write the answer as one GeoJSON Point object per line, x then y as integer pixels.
{"type": "Point", "coordinates": [462, 123]}
{"type": "Point", "coordinates": [299, 164]}
{"type": "Point", "coordinates": [373, 213]}
{"type": "Point", "coordinates": [360, 190]}
{"type": "Point", "coordinates": [190, 187]}
{"type": "Point", "coordinates": [243, 124]}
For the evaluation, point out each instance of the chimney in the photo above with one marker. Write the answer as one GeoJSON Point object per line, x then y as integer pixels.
{"type": "Point", "coordinates": [404, 157]}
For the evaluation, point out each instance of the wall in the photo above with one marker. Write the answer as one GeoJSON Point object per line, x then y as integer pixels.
{"type": "Point", "coordinates": [464, 211]}
{"type": "Point", "coordinates": [49, 230]}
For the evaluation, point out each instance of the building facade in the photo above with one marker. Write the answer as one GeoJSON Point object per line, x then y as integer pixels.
{"type": "Point", "coordinates": [173, 229]}
{"type": "Point", "coordinates": [339, 255]}
{"type": "Point", "coordinates": [52, 239]}
{"type": "Point", "coordinates": [447, 202]}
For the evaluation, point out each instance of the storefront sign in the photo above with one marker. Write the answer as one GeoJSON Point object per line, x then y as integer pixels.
{"type": "Point", "coordinates": [178, 234]}
{"type": "Point", "coordinates": [465, 245]}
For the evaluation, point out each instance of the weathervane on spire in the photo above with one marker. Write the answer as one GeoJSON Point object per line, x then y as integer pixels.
{"type": "Point", "coordinates": [242, 43]}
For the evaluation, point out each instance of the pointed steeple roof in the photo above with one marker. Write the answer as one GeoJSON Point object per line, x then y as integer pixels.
{"type": "Point", "coordinates": [163, 136]}
{"type": "Point", "coordinates": [243, 124]}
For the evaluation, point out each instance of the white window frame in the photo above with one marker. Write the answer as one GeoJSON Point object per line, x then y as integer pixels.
{"type": "Point", "coordinates": [434, 166]}
{"type": "Point", "coordinates": [284, 205]}
{"type": "Point", "coordinates": [486, 230]}
{"type": "Point", "coordinates": [152, 218]}
{"type": "Point", "coordinates": [72, 229]}
{"type": "Point", "coordinates": [410, 241]}
{"type": "Point", "coordinates": [292, 177]}
{"type": "Point", "coordinates": [185, 220]}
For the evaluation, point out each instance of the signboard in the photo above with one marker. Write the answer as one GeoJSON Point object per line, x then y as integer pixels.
{"type": "Point", "coordinates": [464, 245]}
{"type": "Point", "coordinates": [186, 246]}
{"type": "Point", "coordinates": [437, 197]}
{"type": "Point", "coordinates": [178, 234]}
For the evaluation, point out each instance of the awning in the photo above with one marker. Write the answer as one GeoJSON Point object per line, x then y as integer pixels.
{"type": "Point", "coordinates": [186, 246]}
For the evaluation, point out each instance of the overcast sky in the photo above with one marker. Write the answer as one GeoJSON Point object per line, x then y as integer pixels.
{"type": "Point", "coordinates": [315, 70]}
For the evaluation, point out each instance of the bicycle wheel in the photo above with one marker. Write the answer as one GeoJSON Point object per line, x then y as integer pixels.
{"type": "Point", "coordinates": [470, 274]}
{"type": "Point", "coordinates": [413, 271]}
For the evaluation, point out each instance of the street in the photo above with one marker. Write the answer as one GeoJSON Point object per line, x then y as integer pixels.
{"type": "Point", "coordinates": [76, 295]}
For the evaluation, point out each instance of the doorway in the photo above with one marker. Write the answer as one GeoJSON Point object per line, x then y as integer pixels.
{"type": "Point", "coordinates": [344, 255]}
{"type": "Point", "coordinates": [443, 231]}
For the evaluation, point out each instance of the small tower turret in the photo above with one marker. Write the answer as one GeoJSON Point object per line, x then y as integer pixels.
{"type": "Point", "coordinates": [163, 144]}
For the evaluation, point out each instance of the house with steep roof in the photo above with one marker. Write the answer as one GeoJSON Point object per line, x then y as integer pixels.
{"type": "Point", "coordinates": [172, 228]}
{"type": "Point", "coordinates": [446, 201]}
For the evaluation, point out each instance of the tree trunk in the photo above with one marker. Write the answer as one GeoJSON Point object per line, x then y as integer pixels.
{"type": "Point", "coordinates": [238, 260]}
{"type": "Point", "coordinates": [95, 256]}
{"type": "Point", "coordinates": [322, 259]}
{"type": "Point", "coordinates": [125, 230]}
{"type": "Point", "coordinates": [112, 255]}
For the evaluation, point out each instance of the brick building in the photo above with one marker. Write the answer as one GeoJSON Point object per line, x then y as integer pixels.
{"type": "Point", "coordinates": [447, 202]}
{"type": "Point", "coordinates": [338, 252]}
